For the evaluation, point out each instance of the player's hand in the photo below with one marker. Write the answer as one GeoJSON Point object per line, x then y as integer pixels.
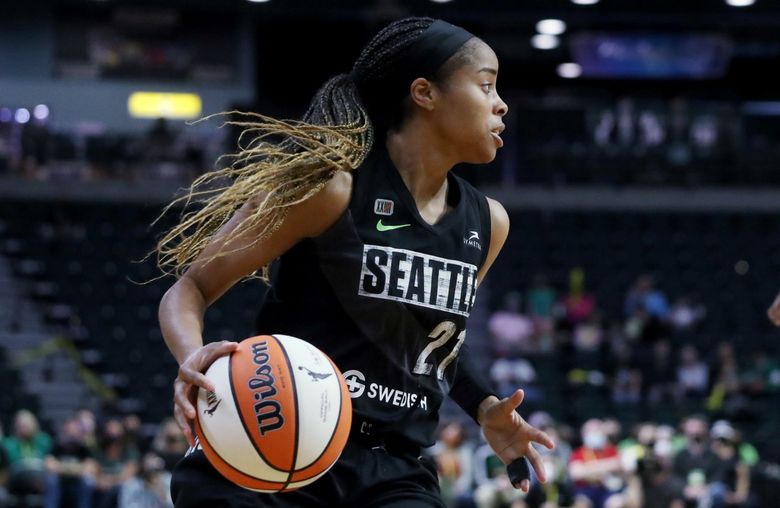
{"type": "Point", "coordinates": [190, 378]}
{"type": "Point", "coordinates": [510, 436]}
{"type": "Point", "coordinates": [774, 311]}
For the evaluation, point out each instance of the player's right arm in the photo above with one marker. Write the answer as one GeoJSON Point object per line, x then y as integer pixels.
{"type": "Point", "coordinates": [183, 306]}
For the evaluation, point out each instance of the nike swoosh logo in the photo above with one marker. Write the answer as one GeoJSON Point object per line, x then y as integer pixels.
{"type": "Point", "coordinates": [383, 227]}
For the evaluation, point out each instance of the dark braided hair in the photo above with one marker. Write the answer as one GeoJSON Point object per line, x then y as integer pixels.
{"type": "Point", "coordinates": [336, 133]}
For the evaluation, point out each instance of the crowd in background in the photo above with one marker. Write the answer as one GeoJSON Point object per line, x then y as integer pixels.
{"type": "Point", "coordinates": [681, 141]}
{"type": "Point", "coordinates": [111, 464]}
{"type": "Point", "coordinates": [33, 150]}
{"type": "Point", "coordinates": [88, 463]}
{"type": "Point", "coordinates": [649, 356]}
{"type": "Point", "coordinates": [639, 360]}
{"type": "Point", "coordinates": [604, 465]}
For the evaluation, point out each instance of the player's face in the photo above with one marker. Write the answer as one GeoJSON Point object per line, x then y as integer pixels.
{"type": "Point", "coordinates": [470, 117]}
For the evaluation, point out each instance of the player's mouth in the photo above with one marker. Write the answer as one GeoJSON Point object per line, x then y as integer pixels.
{"type": "Point", "coordinates": [496, 133]}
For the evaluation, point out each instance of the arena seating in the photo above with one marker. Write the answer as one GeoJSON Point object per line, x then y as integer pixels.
{"type": "Point", "coordinates": [88, 253]}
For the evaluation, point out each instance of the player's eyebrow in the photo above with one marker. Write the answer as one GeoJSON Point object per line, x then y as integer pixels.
{"type": "Point", "coordinates": [489, 69]}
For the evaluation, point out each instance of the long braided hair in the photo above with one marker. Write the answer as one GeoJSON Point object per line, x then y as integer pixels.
{"type": "Point", "coordinates": [290, 160]}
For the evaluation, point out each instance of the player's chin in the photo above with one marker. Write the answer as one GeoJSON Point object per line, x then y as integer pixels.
{"type": "Point", "coordinates": [487, 155]}
{"type": "Point", "coordinates": [481, 154]}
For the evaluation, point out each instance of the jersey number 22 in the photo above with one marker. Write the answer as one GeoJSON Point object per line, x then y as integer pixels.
{"type": "Point", "coordinates": [440, 335]}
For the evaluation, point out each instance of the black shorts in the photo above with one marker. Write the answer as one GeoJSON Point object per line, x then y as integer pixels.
{"type": "Point", "coordinates": [365, 476]}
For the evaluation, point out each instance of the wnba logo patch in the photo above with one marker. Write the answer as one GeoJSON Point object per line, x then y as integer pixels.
{"type": "Point", "coordinates": [383, 207]}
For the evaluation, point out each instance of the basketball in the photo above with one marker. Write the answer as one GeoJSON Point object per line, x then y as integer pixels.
{"type": "Point", "coordinates": [279, 416]}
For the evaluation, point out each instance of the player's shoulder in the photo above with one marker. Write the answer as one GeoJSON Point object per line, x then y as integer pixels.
{"type": "Point", "coordinates": [324, 208]}
{"type": "Point", "coordinates": [334, 197]}
{"type": "Point", "coordinates": [499, 219]}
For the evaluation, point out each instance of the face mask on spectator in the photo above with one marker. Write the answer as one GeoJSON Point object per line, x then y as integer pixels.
{"type": "Point", "coordinates": [595, 440]}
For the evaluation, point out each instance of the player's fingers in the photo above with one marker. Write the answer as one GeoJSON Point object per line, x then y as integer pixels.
{"type": "Point", "coordinates": [181, 398]}
{"type": "Point", "coordinates": [536, 462]}
{"type": "Point", "coordinates": [538, 436]}
{"type": "Point", "coordinates": [513, 401]}
{"type": "Point", "coordinates": [195, 378]}
{"type": "Point", "coordinates": [214, 350]}
{"type": "Point", "coordinates": [525, 486]}
{"type": "Point", "coordinates": [184, 424]}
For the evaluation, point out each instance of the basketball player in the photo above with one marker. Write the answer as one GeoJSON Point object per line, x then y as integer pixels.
{"type": "Point", "coordinates": [381, 249]}
{"type": "Point", "coordinates": [774, 311]}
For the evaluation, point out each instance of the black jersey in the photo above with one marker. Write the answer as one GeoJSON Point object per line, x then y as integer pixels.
{"type": "Point", "coordinates": [386, 295]}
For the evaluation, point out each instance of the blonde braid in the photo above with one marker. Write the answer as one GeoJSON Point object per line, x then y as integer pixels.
{"type": "Point", "coordinates": [288, 160]}
{"type": "Point", "coordinates": [289, 172]}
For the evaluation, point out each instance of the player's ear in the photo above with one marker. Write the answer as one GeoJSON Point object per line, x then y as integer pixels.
{"type": "Point", "coordinates": [423, 93]}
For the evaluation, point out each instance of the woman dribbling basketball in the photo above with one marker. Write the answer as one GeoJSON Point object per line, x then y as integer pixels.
{"type": "Point", "coordinates": [381, 251]}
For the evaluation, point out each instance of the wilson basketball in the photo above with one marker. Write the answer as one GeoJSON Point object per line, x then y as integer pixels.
{"type": "Point", "coordinates": [279, 416]}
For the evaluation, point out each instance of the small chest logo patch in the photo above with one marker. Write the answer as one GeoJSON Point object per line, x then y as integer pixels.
{"type": "Point", "coordinates": [383, 207]}
{"type": "Point", "coordinates": [472, 239]}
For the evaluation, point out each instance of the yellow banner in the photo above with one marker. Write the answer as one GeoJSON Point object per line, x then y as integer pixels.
{"type": "Point", "coordinates": [173, 106]}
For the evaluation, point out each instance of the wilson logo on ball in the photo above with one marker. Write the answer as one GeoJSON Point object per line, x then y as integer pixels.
{"type": "Point", "coordinates": [268, 412]}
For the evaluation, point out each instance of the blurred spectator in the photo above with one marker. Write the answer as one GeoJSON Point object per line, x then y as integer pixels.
{"type": "Point", "coordinates": [541, 298]}
{"type": "Point", "coordinates": [658, 486]}
{"type": "Point", "coordinates": [731, 481]}
{"type": "Point", "coordinates": [150, 489]}
{"type": "Point", "coordinates": [454, 459]}
{"type": "Point", "coordinates": [541, 306]}
{"type": "Point", "coordinates": [644, 296]}
{"type": "Point", "coordinates": [613, 429]}
{"type": "Point", "coordinates": [508, 374]}
{"type": "Point", "coordinates": [646, 456]}
{"type": "Point", "coordinates": [558, 491]}
{"type": "Point", "coordinates": [658, 373]}
{"type": "Point", "coordinates": [578, 305]}
{"type": "Point", "coordinates": [86, 419]}
{"type": "Point", "coordinates": [159, 141]}
{"type": "Point", "coordinates": [170, 443]}
{"type": "Point", "coordinates": [636, 446]}
{"type": "Point", "coordinates": [26, 450]}
{"type": "Point", "coordinates": [589, 333]}
{"type": "Point", "coordinates": [132, 425]}
{"type": "Point", "coordinates": [692, 374]}
{"type": "Point", "coordinates": [510, 329]}
{"type": "Point", "coordinates": [684, 314]}
{"type": "Point", "coordinates": [36, 142]}
{"type": "Point", "coordinates": [763, 374]}
{"type": "Point", "coordinates": [725, 396]}
{"type": "Point", "coordinates": [595, 466]}
{"type": "Point", "coordinates": [626, 379]}
{"type": "Point", "coordinates": [117, 463]}
{"type": "Point", "coordinates": [696, 465]}
{"type": "Point", "coordinates": [71, 470]}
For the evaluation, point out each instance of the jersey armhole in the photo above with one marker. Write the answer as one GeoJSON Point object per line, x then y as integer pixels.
{"type": "Point", "coordinates": [484, 209]}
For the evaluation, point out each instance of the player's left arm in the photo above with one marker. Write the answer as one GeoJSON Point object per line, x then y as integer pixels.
{"type": "Point", "coordinates": [505, 430]}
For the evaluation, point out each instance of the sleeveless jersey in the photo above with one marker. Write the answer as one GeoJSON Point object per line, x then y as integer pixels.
{"type": "Point", "coordinates": [386, 296]}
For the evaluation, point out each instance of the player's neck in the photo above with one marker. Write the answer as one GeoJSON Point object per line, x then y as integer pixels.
{"type": "Point", "coordinates": [422, 166]}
